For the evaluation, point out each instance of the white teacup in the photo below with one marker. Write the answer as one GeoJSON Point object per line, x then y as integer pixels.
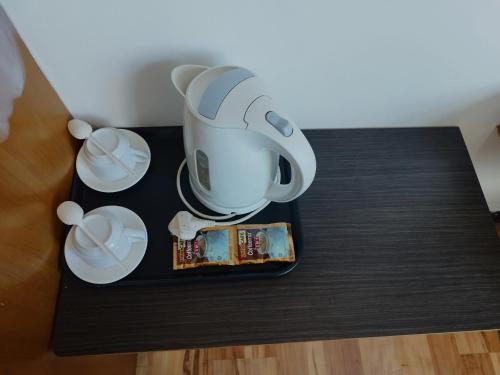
{"type": "Point", "coordinates": [117, 143]}
{"type": "Point", "coordinates": [110, 231]}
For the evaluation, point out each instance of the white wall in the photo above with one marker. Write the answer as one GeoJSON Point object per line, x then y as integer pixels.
{"type": "Point", "coordinates": [347, 63]}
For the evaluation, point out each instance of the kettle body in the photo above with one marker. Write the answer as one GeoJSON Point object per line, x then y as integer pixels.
{"type": "Point", "coordinates": [232, 149]}
{"type": "Point", "coordinates": [226, 175]}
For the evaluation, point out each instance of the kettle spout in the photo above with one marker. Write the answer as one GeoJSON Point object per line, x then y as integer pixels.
{"type": "Point", "coordinates": [182, 76]}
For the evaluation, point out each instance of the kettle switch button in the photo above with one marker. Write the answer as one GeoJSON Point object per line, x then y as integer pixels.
{"type": "Point", "coordinates": [279, 123]}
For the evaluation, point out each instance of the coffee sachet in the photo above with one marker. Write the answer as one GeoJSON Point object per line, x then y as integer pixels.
{"type": "Point", "coordinates": [234, 245]}
{"type": "Point", "coordinates": [264, 243]}
{"type": "Point", "coordinates": [210, 247]}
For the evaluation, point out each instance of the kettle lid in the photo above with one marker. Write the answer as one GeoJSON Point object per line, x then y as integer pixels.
{"type": "Point", "coordinates": [219, 88]}
{"type": "Point", "coordinates": [223, 94]}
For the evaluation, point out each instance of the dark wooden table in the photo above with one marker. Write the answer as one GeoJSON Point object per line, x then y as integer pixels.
{"type": "Point", "coordinates": [398, 240]}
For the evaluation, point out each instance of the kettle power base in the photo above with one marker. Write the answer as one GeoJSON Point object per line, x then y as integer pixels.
{"type": "Point", "coordinates": [155, 200]}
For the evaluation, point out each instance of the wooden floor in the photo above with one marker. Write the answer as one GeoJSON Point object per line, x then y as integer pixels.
{"type": "Point", "coordinates": [457, 353]}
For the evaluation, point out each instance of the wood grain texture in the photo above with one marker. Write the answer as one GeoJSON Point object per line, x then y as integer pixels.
{"type": "Point", "coordinates": [36, 167]}
{"type": "Point", "coordinates": [436, 354]}
{"type": "Point", "coordinates": [398, 240]}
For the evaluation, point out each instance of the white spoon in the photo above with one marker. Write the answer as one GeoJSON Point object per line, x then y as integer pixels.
{"type": "Point", "coordinates": [82, 130]}
{"type": "Point", "coordinates": [71, 213]}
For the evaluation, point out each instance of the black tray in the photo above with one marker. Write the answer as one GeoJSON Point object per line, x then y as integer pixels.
{"type": "Point", "coordinates": [156, 201]}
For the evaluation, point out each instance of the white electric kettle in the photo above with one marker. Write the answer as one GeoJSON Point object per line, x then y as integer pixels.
{"type": "Point", "coordinates": [233, 137]}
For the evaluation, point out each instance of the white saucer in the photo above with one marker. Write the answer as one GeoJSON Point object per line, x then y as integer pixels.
{"type": "Point", "coordinates": [92, 181]}
{"type": "Point", "coordinates": [98, 275]}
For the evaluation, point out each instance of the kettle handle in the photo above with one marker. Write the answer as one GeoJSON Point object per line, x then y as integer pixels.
{"type": "Point", "coordinates": [182, 76]}
{"type": "Point", "coordinates": [286, 139]}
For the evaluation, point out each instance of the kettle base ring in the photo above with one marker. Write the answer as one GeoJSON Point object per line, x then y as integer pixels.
{"type": "Point", "coordinates": [225, 210]}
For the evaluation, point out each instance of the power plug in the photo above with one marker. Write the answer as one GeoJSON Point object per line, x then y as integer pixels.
{"type": "Point", "coordinates": [184, 225]}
